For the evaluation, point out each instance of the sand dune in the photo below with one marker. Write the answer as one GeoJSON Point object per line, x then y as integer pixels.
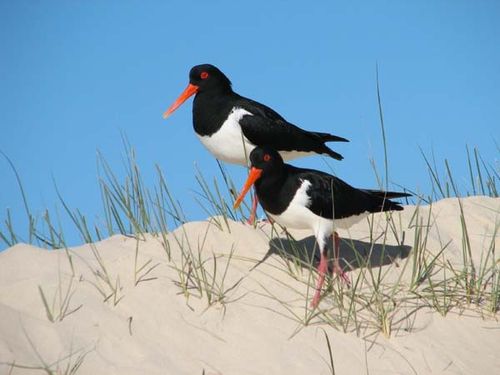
{"type": "Point", "coordinates": [123, 305]}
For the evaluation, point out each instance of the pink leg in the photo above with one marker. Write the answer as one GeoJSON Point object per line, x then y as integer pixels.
{"type": "Point", "coordinates": [336, 264]}
{"type": "Point", "coordinates": [322, 268]}
{"type": "Point", "coordinates": [255, 201]}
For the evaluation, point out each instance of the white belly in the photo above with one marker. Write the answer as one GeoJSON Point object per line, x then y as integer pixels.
{"type": "Point", "coordinates": [228, 143]}
{"type": "Point", "coordinates": [302, 218]}
{"type": "Point", "coordinates": [290, 155]}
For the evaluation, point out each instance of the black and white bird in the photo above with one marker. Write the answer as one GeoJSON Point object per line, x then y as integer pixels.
{"type": "Point", "coordinates": [310, 199]}
{"type": "Point", "coordinates": [230, 126]}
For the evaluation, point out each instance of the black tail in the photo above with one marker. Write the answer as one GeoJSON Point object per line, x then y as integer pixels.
{"type": "Point", "coordinates": [388, 205]}
{"type": "Point", "coordinates": [331, 153]}
{"type": "Point", "coordinates": [326, 137]}
{"type": "Point", "coordinates": [388, 194]}
{"type": "Point", "coordinates": [323, 149]}
{"type": "Point", "coordinates": [385, 203]}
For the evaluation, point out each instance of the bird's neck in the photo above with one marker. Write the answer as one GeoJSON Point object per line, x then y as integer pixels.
{"type": "Point", "coordinates": [269, 188]}
{"type": "Point", "coordinates": [210, 110]}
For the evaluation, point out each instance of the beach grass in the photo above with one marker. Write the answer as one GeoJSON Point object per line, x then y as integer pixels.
{"type": "Point", "coordinates": [132, 209]}
{"type": "Point", "coordinates": [394, 273]}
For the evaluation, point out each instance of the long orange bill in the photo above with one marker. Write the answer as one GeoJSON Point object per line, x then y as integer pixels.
{"type": "Point", "coordinates": [253, 176]}
{"type": "Point", "coordinates": [186, 94]}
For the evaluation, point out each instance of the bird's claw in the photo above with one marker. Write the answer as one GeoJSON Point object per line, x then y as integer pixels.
{"type": "Point", "coordinates": [342, 275]}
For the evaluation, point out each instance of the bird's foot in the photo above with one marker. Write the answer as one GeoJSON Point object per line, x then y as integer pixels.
{"type": "Point", "coordinates": [337, 270]}
{"type": "Point", "coordinates": [251, 220]}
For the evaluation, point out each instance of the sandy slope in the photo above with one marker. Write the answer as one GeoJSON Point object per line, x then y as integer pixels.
{"type": "Point", "coordinates": [152, 329]}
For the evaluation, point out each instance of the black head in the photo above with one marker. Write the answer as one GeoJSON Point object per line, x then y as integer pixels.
{"type": "Point", "coordinates": [267, 159]}
{"type": "Point", "coordinates": [208, 77]}
{"type": "Point", "coordinates": [266, 162]}
{"type": "Point", "coordinates": [202, 78]}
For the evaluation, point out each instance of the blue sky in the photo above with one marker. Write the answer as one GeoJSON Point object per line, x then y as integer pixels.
{"type": "Point", "coordinates": [77, 74]}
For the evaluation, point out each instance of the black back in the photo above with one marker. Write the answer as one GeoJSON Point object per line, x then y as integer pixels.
{"type": "Point", "coordinates": [330, 197]}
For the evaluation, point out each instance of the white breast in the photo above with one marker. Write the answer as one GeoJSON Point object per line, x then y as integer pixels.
{"type": "Point", "coordinates": [228, 143]}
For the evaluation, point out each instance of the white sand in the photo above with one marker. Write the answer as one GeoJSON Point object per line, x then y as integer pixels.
{"type": "Point", "coordinates": [155, 330]}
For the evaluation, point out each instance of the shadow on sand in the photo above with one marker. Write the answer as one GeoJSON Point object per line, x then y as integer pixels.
{"type": "Point", "coordinates": [353, 253]}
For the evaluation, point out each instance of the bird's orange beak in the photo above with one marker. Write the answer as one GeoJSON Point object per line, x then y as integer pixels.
{"type": "Point", "coordinates": [253, 176]}
{"type": "Point", "coordinates": [186, 94]}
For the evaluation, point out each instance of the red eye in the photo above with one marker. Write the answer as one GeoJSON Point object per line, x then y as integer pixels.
{"type": "Point", "coordinates": [267, 157]}
{"type": "Point", "coordinates": [204, 75]}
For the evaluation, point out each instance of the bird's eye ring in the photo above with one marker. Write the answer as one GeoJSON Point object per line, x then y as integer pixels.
{"type": "Point", "coordinates": [267, 157]}
{"type": "Point", "coordinates": [204, 75]}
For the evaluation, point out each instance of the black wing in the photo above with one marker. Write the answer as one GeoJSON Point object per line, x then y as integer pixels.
{"type": "Point", "coordinates": [329, 193]}
{"type": "Point", "coordinates": [265, 127]}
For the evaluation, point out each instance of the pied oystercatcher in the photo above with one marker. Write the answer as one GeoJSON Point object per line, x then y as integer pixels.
{"type": "Point", "coordinates": [310, 199]}
{"type": "Point", "coordinates": [230, 126]}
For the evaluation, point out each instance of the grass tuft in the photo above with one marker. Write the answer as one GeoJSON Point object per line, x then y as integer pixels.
{"type": "Point", "coordinates": [381, 298]}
